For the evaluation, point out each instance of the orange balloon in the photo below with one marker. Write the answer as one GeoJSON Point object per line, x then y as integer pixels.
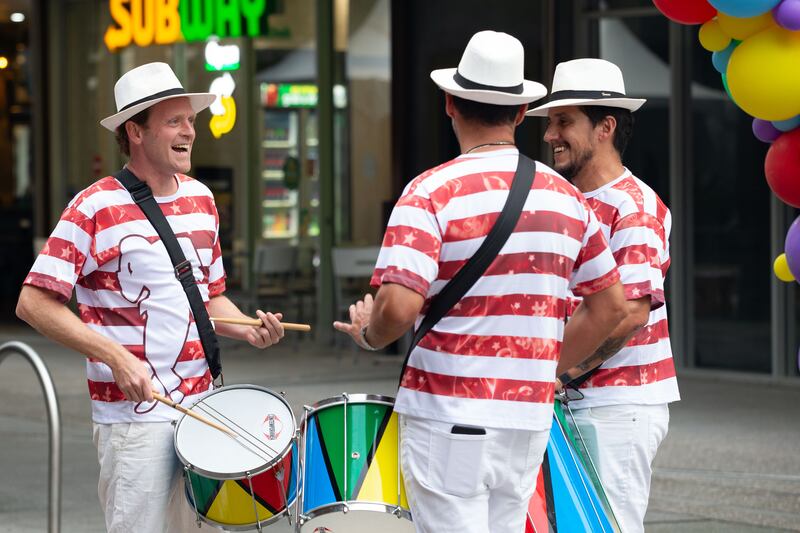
{"type": "Point", "coordinates": [742, 28]}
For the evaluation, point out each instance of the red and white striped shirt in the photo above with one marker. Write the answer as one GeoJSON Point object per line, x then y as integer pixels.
{"type": "Point", "coordinates": [126, 289]}
{"type": "Point", "coordinates": [637, 225]}
{"type": "Point", "coordinates": [491, 360]}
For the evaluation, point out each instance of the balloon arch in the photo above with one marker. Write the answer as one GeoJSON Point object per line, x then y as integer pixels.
{"type": "Point", "coordinates": [755, 46]}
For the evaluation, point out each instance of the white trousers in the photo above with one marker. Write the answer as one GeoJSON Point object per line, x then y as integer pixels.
{"type": "Point", "coordinates": [468, 483]}
{"type": "Point", "coordinates": [622, 441]}
{"type": "Point", "coordinates": [141, 481]}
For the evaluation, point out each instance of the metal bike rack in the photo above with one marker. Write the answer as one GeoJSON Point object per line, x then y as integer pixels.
{"type": "Point", "coordinates": [54, 426]}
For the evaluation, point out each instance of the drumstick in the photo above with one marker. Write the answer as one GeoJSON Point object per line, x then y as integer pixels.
{"type": "Point", "coordinates": [289, 326]}
{"type": "Point", "coordinates": [194, 415]}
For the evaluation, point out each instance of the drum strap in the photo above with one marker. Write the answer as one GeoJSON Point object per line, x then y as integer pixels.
{"type": "Point", "coordinates": [143, 196]}
{"type": "Point", "coordinates": [466, 277]}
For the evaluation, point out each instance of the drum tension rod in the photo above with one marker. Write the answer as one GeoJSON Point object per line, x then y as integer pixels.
{"type": "Point", "coordinates": [279, 478]}
{"type": "Point", "coordinates": [188, 482]}
{"type": "Point", "coordinates": [252, 495]}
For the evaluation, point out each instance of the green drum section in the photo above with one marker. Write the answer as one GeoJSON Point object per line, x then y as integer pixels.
{"type": "Point", "coordinates": [365, 425]}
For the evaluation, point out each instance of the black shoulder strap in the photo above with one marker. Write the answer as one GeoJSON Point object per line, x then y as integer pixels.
{"type": "Point", "coordinates": [143, 196]}
{"type": "Point", "coordinates": [466, 277]}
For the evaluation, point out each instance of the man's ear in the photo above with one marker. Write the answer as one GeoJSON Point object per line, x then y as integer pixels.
{"type": "Point", "coordinates": [449, 108]}
{"type": "Point", "coordinates": [134, 132]}
{"type": "Point", "coordinates": [520, 114]}
{"type": "Point", "coordinates": [606, 128]}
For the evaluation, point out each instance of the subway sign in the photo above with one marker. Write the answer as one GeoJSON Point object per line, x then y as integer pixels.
{"type": "Point", "coordinates": [148, 22]}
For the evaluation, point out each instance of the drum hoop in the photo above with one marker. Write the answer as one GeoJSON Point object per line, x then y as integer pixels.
{"type": "Point", "coordinates": [246, 527]}
{"type": "Point", "coordinates": [237, 475]}
{"type": "Point", "coordinates": [356, 505]}
{"type": "Point", "coordinates": [350, 399]}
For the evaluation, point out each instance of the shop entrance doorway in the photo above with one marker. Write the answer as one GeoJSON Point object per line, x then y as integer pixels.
{"type": "Point", "coordinates": [16, 173]}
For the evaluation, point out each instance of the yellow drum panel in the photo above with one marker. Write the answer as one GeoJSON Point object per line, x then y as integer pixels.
{"type": "Point", "coordinates": [380, 483]}
{"type": "Point", "coordinates": [234, 506]}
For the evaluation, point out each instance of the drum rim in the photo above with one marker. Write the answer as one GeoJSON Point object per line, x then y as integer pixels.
{"type": "Point", "coordinates": [350, 398]}
{"type": "Point", "coordinates": [246, 527]}
{"type": "Point", "coordinates": [237, 475]}
{"type": "Point", "coordinates": [355, 505]}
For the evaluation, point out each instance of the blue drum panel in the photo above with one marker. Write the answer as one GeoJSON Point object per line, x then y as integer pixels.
{"type": "Point", "coordinates": [577, 504]}
{"type": "Point", "coordinates": [317, 486]}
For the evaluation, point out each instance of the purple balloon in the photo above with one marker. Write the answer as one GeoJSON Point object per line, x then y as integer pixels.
{"type": "Point", "coordinates": [765, 131]}
{"type": "Point", "coordinates": [791, 248]}
{"type": "Point", "coordinates": [787, 14]}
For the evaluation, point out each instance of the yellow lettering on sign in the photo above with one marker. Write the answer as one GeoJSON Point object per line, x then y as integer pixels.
{"type": "Point", "coordinates": [144, 27]}
{"type": "Point", "coordinates": [120, 37]}
{"type": "Point", "coordinates": [168, 22]}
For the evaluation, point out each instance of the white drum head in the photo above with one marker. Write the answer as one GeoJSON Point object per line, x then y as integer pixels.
{"type": "Point", "coordinates": [358, 521]}
{"type": "Point", "coordinates": [262, 420]}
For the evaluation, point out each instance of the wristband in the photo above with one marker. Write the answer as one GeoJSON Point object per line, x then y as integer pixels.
{"type": "Point", "coordinates": [364, 344]}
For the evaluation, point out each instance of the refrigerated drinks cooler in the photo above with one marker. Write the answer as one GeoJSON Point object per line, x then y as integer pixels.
{"type": "Point", "coordinates": [289, 170]}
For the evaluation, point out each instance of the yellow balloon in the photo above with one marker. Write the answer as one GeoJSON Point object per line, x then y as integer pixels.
{"type": "Point", "coordinates": [764, 74]}
{"type": "Point", "coordinates": [742, 28]}
{"type": "Point", "coordinates": [712, 38]}
{"type": "Point", "coordinates": [781, 269]}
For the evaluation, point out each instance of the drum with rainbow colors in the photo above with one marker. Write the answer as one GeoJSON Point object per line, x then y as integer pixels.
{"type": "Point", "coordinates": [246, 481]}
{"type": "Point", "coordinates": [350, 473]}
{"type": "Point", "coordinates": [568, 495]}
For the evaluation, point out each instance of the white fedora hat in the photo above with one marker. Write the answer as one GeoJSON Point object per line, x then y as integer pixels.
{"type": "Point", "coordinates": [145, 86]}
{"type": "Point", "coordinates": [587, 82]}
{"type": "Point", "coordinates": [490, 71]}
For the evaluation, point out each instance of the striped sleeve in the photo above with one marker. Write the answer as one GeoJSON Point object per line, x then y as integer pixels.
{"type": "Point", "coordinates": [412, 243]}
{"type": "Point", "coordinates": [638, 249]}
{"type": "Point", "coordinates": [216, 271]}
{"type": "Point", "coordinates": [594, 269]}
{"type": "Point", "coordinates": [66, 256]}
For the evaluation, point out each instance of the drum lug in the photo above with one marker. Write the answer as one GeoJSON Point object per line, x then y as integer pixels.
{"type": "Point", "coordinates": [345, 508]}
{"type": "Point", "coordinates": [283, 393]}
{"type": "Point", "coordinates": [397, 510]}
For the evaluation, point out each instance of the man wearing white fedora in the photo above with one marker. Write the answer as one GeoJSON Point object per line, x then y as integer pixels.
{"type": "Point", "coordinates": [476, 396]}
{"type": "Point", "coordinates": [137, 327]}
{"type": "Point", "coordinates": [629, 382]}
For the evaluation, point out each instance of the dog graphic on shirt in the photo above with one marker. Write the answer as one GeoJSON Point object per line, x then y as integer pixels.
{"type": "Point", "coordinates": [173, 324]}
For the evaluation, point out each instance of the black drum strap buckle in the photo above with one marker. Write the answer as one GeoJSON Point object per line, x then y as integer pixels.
{"type": "Point", "coordinates": [183, 270]}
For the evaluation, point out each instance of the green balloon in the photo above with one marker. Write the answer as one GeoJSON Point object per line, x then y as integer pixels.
{"type": "Point", "coordinates": [727, 90]}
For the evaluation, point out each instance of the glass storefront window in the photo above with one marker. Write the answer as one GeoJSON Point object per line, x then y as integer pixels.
{"type": "Point", "coordinates": [731, 229]}
{"type": "Point", "coordinates": [285, 78]}
{"type": "Point", "coordinates": [640, 47]}
{"type": "Point", "coordinates": [369, 81]}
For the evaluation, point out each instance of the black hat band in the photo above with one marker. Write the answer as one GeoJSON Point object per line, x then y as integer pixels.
{"type": "Point", "coordinates": [156, 96]}
{"type": "Point", "coordinates": [469, 84]}
{"type": "Point", "coordinates": [594, 95]}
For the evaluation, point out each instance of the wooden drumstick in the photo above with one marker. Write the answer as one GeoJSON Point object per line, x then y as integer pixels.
{"type": "Point", "coordinates": [289, 326]}
{"type": "Point", "coordinates": [192, 414]}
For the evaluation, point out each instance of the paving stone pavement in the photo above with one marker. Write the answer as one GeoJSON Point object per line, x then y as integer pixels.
{"type": "Point", "coordinates": [730, 462]}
